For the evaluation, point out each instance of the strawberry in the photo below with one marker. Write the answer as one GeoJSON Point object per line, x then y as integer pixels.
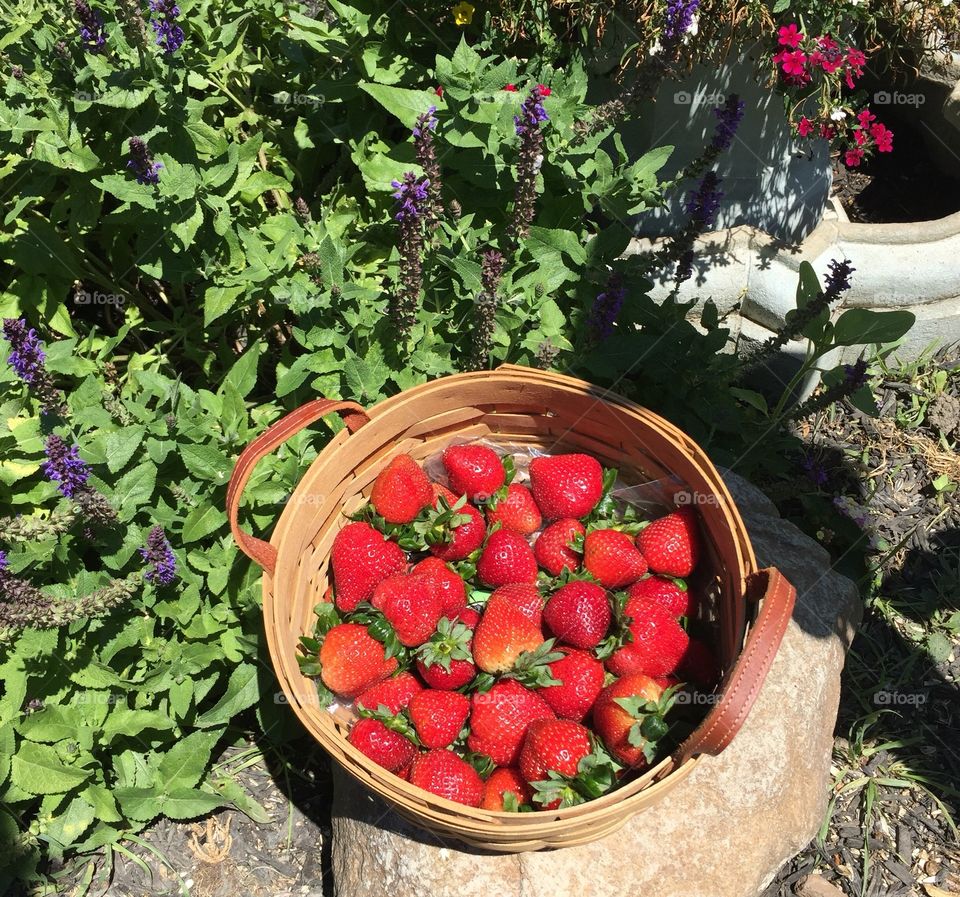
{"type": "Point", "coordinates": [360, 558]}
{"type": "Point", "coordinates": [443, 773]}
{"type": "Point", "coordinates": [699, 664]}
{"type": "Point", "coordinates": [411, 605]}
{"type": "Point", "coordinates": [629, 717]}
{"type": "Point", "coordinates": [671, 544]}
{"type": "Point", "coordinates": [581, 679]}
{"type": "Point", "coordinates": [452, 590]}
{"type": "Point", "coordinates": [658, 643]}
{"type": "Point", "coordinates": [502, 635]}
{"type": "Point", "coordinates": [553, 745]}
{"type": "Point", "coordinates": [525, 597]}
{"type": "Point", "coordinates": [613, 558]}
{"type": "Point", "coordinates": [351, 660]}
{"type": "Point", "coordinates": [401, 490]}
{"type": "Point", "coordinates": [566, 485]}
{"type": "Point", "coordinates": [445, 660]}
{"type": "Point", "coordinates": [506, 558]}
{"type": "Point", "coordinates": [517, 511]}
{"type": "Point", "coordinates": [469, 617]}
{"type": "Point", "coordinates": [499, 720]}
{"type": "Point", "coordinates": [672, 594]}
{"type": "Point", "coordinates": [474, 470]}
{"type": "Point", "coordinates": [552, 548]}
{"type": "Point", "coordinates": [394, 693]}
{"type": "Point", "coordinates": [505, 790]}
{"type": "Point", "coordinates": [454, 529]}
{"type": "Point", "coordinates": [382, 745]}
{"type": "Point", "coordinates": [438, 716]}
{"type": "Point", "coordinates": [578, 614]}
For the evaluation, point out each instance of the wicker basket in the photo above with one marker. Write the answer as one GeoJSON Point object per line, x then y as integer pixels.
{"type": "Point", "coordinates": [519, 406]}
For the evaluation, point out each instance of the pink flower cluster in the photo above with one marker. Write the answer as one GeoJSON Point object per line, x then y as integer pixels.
{"type": "Point", "coordinates": [804, 61]}
{"type": "Point", "coordinates": [801, 58]}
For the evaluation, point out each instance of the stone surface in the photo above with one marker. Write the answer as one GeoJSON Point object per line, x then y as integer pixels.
{"type": "Point", "coordinates": [722, 832]}
{"type": "Point", "coordinates": [815, 886]}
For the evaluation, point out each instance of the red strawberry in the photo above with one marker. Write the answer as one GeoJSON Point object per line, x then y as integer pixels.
{"type": "Point", "coordinates": [659, 641]}
{"type": "Point", "coordinates": [553, 745]}
{"type": "Point", "coordinates": [402, 585]}
{"type": "Point", "coordinates": [517, 511]}
{"type": "Point", "coordinates": [671, 544]}
{"type": "Point", "coordinates": [360, 558]}
{"type": "Point", "coordinates": [443, 773]}
{"type": "Point", "coordinates": [502, 635]}
{"type": "Point", "coordinates": [469, 617]}
{"type": "Point", "coordinates": [414, 614]}
{"type": "Point", "coordinates": [679, 601]}
{"type": "Point", "coordinates": [506, 558]}
{"type": "Point", "coordinates": [503, 781]}
{"type": "Point", "coordinates": [382, 745]}
{"type": "Point", "coordinates": [552, 548]}
{"type": "Point", "coordinates": [613, 722]}
{"type": "Point", "coordinates": [394, 693]}
{"type": "Point", "coordinates": [452, 589]}
{"type": "Point", "coordinates": [401, 490]}
{"type": "Point", "coordinates": [612, 557]}
{"type": "Point", "coordinates": [525, 597]}
{"type": "Point", "coordinates": [474, 470]}
{"type": "Point", "coordinates": [699, 664]}
{"type": "Point", "coordinates": [452, 535]}
{"type": "Point", "coordinates": [566, 485]}
{"type": "Point", "coordinates": [578, 614]}
{"type": "Point", "coordinates": [445, 660]}
{"type": "Point", "coordinates": [581, 680]}
{"type": "Point", "coordinates": [499, 720]}
{"type": "Point", "coordinates": [352, 660]}
{"type": "Point", "coordinates": [438, 716]}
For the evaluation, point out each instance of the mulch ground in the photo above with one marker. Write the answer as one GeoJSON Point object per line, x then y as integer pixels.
{"type": "Point", "coordinates": [890, 829]}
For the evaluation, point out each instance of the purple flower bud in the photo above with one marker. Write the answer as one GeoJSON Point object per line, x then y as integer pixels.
{"type": "Point", "coordinates": [158, 554]}
{"type": "Point", "coordinates": [26, 350]}
{"type": "Point", "coordinates": [425, 122]}
{"type": "Point", "coordinates": [728, 116]}
{"type": "Point", "coordinates": [606, 308]}
{"type": "Point", "coordinates": [141, 162]}
{"type": "Point", "coordinates": [65, 467]}
{"type": "Point", "coordinates": [703, 203]}
{"type": "Point", "coordinates": [92, 35]}
{"type": "Point", "coordinates": [679, 18]}
{"type": "Point", "coordinates": [169, 33]}
{"type": "Point", "coordinates": [411, 194]}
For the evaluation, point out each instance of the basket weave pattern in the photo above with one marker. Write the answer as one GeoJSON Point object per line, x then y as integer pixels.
{"type": "Point", "coordinates": [553, 413]}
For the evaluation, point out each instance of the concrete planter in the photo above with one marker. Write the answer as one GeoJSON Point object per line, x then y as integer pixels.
{"type": "Point", "coordinates": [913, 266]}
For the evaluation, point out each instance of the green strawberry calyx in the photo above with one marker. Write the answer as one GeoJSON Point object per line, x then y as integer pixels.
{"type": "Point", "coordinates": [532, 668]}
{"type": "Point", "coordinates": [450, 642]}
{"type": "Point", "coordinates": [651, 726]}
{"type": "Point", "coordinates": [596, 775]}
{"type": "Point", "coordinates": [395, 722]}
{"type": "Point", "coordinates": [435, 525]}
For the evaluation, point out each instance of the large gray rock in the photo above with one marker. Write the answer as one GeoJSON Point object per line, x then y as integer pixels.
{"type": "Point", "coordinates": [723, 832]}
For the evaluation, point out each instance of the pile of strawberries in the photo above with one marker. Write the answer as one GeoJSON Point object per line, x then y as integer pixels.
{"type": "Point", "coordinates": [505, 646]}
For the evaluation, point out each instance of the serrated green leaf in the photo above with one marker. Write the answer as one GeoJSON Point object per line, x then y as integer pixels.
{"type": "Point", "coordinates": [38, 769]}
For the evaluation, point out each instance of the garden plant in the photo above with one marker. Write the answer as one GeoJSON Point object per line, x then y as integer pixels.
{"type": "Point", "coordinates": [216, 211]}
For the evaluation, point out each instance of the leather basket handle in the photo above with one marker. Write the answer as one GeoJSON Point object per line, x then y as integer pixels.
{"type": "Point", "coordinates": [777, 597]}
{"type": "Point", "coordinates": [354, 416]}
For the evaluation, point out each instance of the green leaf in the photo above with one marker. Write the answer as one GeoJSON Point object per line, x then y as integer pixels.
{"type": "Point", "coordinates": [861, 326]}
{"type": "Point", "coordinates": [205, 462]}
{"type": "Point", "coordinates": [184, 765]}
{"type": "Point", "coordinates": [140, 804]}
{"type": "Point", "coordinates": [753, 399]}
{"type": "Point", "coordinates": [243, 375]}
{"type": "Point", "coordinates": [121, 445]}
{"type": "Point", "coordinates": [189, 803]}
{"type": "Point", "coordinates": [218, 300]}
{"type": "Point", "coordinates": [67, 826]}
{"type": "Point", "coordinates": [242, 692]}
{"type": "Point", "coordinates": [135, 488]}
{"type": "Point", "coordinates": [38, 769]}
{"type": "Point", "coordinates": [808, 286]}
{"type": "Point", "coordinates": [365, 377]}
{"type": "Point", "coordinates": [49, 726]}
{"type": "Point", "coordinates": [201, 521]}
{"type": "Point", "coordinates": [405, 104]}
{"type": "Point", "coordinates": [127, 721]}
{"type": "Point", "coordinates": [127, 190]}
